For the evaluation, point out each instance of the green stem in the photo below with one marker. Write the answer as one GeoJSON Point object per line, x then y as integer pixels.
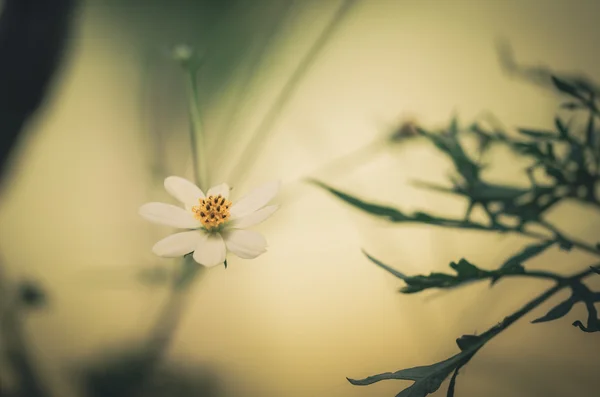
{"type": "Point", "coordinates": [197, 138]}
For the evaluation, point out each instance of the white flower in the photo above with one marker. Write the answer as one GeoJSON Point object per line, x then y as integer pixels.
{"type": "Point", "coordinates": [217, 224]}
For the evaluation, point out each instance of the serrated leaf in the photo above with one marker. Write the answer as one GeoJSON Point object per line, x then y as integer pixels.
{"type": "Point", "coordinates": [558, 311]}
{"type": "Point", "coordinates": [428, 379]}
{"type": "Point", "coordinates": [465, 272]}
{"type": "Point", "coordinates": [538, 134]}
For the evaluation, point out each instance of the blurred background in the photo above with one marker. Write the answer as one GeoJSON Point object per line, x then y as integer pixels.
{"type": "Point", "coordinates": [287, 89]}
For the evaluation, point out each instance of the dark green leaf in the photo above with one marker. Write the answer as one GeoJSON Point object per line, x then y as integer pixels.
{"type": "Point", "coordinates": [394, 215]}
{"type": "Point", "coordinates": [590, 132]}
{"type": "Point", "coordinates": [452, 384]}
{"type": "Point", "coordinates": [396, 273]}
{"type": "Point", "coordinates": [555, 173]}
{"type": "Point", "coordinates": [537, 133]}
{"type": "Point", "coordinates": [563, 130]}
{"type": "Point", "coordinates": [453, 128]}
{"type": "Point", "coordinates": [566, 87]}
{"type": "Point", "coordinates": [563, 243]}
{"type": "Point", "coordinates": [560, 310]}
{"type": "Point", "coordinates": [225, 263]}
{"type": "Point", "coordinates": [528, 148]}
{"type": "Point", "coordinates": [450, 145]}
{"type": "Point", "coordinates": [595, 269]}
{"type": "Point", "coordinates": [373, 209]}
{"type": "Point", "coordinates": [428, 379]}
{"type": "Point", "coordinates": [550, 151]}
{"type": "Point", "coordinates": [465, 272]}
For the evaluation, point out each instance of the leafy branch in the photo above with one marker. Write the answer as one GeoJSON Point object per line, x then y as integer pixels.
{"type": "Point", "coordinates": [570, 157]}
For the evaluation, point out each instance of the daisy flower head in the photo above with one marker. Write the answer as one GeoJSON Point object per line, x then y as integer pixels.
{"type": "Point", "coordinates": [215, 224]}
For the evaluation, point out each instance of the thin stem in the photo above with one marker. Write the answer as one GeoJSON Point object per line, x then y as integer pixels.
{"type": "Point", "coordinates": [197, 139]}
{"type": "Point", "coordinates": [581, 245]}
{"type": "Point", "coordinates": [565, 282]}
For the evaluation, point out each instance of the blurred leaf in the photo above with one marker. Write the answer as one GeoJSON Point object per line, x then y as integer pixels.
{"type": "Point", "coordinates": [450, 145]}
{"type": "Point", "coordinates": [428, 379]}
{"type": "Point", "coordinates": [563, 130]}
{"type": "Point", "coordinates": [550, 151]}
{"type": "Point", "coordinates": [560, 310]}
{"type": "Point", "coordinates": [537, 134]}
{"type": "Point", "coordinates": [572, 105]}
{"type": "Point", "coordinates": [396, 273]}
{"type": "Point", "coordinates": [566, 87]}
{"type": "Point", "coordinates": [595, 269]}
{"type": "Point", "coordinates": [32, 295]}
{"type": "Point", "coordinates": [590, 132]}
{"type": "Point", "coordinates": [555, 173]}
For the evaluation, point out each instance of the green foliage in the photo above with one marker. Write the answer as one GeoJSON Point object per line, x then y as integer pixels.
{"type": "Point", "coordinates": [568, 155]}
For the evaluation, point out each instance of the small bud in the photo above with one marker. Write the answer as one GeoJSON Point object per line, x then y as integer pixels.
{"type": "Point", "coordinates": [182, 53]}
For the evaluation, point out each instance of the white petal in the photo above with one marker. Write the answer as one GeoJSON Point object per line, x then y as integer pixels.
{"type": "Point", "coordinates": [246, 244]}
{"type": "Point", "coordinates": [183, 190]}
{"type": "Point", "coordinates": [255, 200]}
{"type": "Point", "coordinates": [177, 244]}
{"type": "Point", "coordinates": [254, 218]}
{"type": "Point", "coordinates": [168, 214]}
{"type": "Point", "coordinates": [210, 250]}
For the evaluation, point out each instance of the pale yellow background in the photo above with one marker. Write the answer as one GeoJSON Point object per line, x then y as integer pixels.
{"type": "Point", "coordinates": [313, 310]}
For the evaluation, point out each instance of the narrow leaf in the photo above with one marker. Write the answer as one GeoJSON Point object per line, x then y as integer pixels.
{"type": "Point", "coordinates": [560, 310]}
{"type": "Point", "coordinates": [395, 272]}
{"type": "Point", "coordinates": [537, 133]}
{"type": "Point", "coordinates": [374, 209]}
{"type": "Point", "coordinates": [566, 87]}
{"type": "Point", "coordinates": [428, 379]}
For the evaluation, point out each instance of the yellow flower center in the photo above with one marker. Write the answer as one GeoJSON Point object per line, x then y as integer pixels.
{"type": "Point", "coordinates": [212, 212]}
